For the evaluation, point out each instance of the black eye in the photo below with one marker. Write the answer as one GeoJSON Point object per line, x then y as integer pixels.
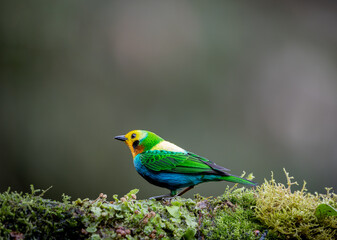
{"type": "Point", "coordinates": [135, 144]}
{"type": "Point", "coordinates": [133, 136]}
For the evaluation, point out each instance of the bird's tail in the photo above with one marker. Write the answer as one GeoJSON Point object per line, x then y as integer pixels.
{"type": "Point", "coordinates": [236, 179]}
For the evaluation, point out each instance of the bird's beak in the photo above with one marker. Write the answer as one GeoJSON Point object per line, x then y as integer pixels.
{"type": "Point", "coordinates": [121, 138]}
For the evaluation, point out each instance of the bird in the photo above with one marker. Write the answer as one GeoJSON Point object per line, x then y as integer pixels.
{"type": "Point", "coordinates": [166, 165]}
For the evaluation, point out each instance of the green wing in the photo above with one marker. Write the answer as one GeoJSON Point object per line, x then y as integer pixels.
{"type": "Point", "coordinates": [180, 162]}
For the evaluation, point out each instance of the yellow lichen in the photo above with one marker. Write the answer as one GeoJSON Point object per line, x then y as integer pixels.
{"type": "Point", "coordinates": [293, 213]}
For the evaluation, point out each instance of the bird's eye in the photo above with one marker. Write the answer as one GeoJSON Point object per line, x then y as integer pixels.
{"type": "Point", "coordinates": [133, 136]}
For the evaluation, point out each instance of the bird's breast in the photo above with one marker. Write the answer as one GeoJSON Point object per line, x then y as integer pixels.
{"type": "Point", "coordinates": [140, 168]}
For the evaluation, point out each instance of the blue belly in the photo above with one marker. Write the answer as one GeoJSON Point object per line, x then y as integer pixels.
{"type": "Point", "coordinates": [172, 181]}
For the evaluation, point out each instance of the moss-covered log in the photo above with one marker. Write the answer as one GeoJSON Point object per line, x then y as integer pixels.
{"type": "Point", "coordinates": [271, 211]}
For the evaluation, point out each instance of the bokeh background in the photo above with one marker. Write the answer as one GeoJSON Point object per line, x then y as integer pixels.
{"type": "Point", "coordinates": [251, 85]}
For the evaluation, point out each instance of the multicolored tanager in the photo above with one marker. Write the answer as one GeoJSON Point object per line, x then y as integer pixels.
{"type": "Point", "coordinates": [164, 164]}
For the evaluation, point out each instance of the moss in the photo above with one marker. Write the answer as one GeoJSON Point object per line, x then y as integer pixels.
{"type": "Point", "coordinates": [272, 211]}
{"type": "Point", "coordinates": [144, 219]}
{"type": "Point", "coordinates": [230, 216]}
{"type": "Point", "coordinates": [28, 215]}
{"type": "Point", "coordinates": [292, 214]}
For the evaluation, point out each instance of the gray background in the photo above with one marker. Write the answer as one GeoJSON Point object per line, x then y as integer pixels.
{"type": "Point", "coordinates": [251, 85]}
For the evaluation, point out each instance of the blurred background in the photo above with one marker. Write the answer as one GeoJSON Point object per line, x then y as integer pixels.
{"type": "Point", "coordinates": [251, 85]}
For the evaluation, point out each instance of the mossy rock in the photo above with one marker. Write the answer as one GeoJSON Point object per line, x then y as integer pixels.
{"type": "Point", "coordinates": [271, 211]}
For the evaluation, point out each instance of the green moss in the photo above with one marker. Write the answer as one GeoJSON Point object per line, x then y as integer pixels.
{"type": "Point", "coordinates": [292, 214]}
{"type": "Point", "coordinates": [28, 215]}
{"type": "Point", "coordinates": [230, 216]}
{"type": "Point", "coordinates": [130, 218]}
{"type": "Point", "coordinates": [272, 211]}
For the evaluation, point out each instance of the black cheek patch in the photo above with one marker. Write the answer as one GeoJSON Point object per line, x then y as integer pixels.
{"type": "Point", "coordinates": [135, 144]}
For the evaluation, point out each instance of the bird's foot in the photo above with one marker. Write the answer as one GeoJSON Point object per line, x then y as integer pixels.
{"type": "Point", "coordinates": [162, 197]}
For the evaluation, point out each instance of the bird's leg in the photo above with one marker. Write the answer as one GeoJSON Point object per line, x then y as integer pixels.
{"type": "Point", "coordinates": [185, 190]}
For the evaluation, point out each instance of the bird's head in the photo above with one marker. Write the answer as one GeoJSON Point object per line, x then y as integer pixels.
{"type": "Point", "coordinates": [139, 140]}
